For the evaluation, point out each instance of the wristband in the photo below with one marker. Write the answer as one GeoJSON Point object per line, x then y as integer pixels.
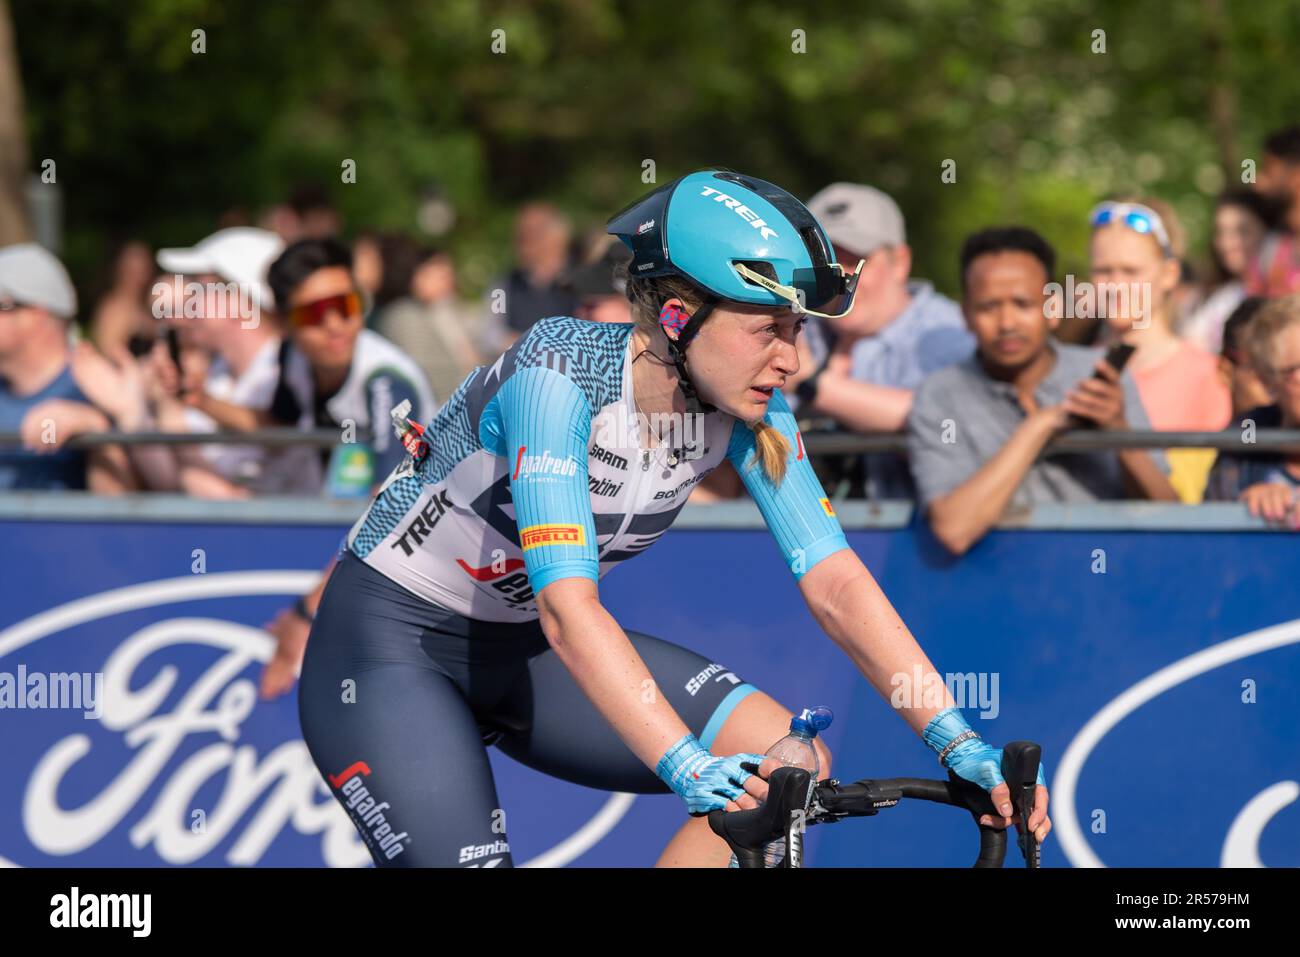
{"type": "Point", "coordinates": [946, 731]}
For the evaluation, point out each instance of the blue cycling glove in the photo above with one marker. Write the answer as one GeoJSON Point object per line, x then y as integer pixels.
{"type": "Point", "coordinates": [703, 780]}
{"type": "Point", "coordinates": [973, 758]}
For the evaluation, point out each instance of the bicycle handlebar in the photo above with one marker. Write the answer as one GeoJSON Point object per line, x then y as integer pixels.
{"type": "Point", "coordinates": [748, 832]}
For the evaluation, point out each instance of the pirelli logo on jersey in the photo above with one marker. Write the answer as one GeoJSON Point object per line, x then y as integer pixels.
{"type": "Point", "coordinates": [826, 506]}
{"type": "Point", "coordinates": [534, 536]}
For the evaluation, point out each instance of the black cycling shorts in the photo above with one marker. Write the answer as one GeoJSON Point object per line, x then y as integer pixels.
{"type": "Point", "coordinates": [399, 699]}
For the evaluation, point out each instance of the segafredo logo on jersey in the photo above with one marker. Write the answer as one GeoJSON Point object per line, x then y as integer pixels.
{"type": "Point", "coordinates": [183, 765]}
{"type": "Point", "coordinates": [546, 464]}
{"type": "Point", "coordinates": [1190, 805]}
{"type": "Point", "coordinates": [366, 811]}
{"type": "Point", "coordinates": [741, 210]}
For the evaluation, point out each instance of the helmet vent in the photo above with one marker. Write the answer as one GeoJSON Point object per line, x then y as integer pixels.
{"type": "Point", "coordinates": [762, 267]}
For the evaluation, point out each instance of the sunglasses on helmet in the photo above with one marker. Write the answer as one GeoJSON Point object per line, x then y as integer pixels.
{"type": "Point", "coordinates": [831, 281]}
{"type": "Point", "coordinates": [1139, 218]}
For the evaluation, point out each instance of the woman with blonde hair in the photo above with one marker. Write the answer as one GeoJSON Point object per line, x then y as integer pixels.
{"type": "Point", "coordinates": [1135, 253]}
{"type": "Point", "coordinates": [465, 608]}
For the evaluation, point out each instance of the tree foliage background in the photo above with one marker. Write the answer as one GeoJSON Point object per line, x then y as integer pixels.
{"type": "Point", "coordinates": [155, 141]}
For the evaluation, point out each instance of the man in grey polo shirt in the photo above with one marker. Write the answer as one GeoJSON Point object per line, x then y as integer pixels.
{"type": "Point", "coordinates": [976, 428]}
{"type": "Point", "coordinates": [860, 370]}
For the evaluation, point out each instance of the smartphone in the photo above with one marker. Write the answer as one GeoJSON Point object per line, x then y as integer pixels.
{"type": "Point", "coordinates": [174, 351]}
{"type": "Point", "coordinates": [139, 345]}
{"type": "Point", "coordinates": [1117, 356]}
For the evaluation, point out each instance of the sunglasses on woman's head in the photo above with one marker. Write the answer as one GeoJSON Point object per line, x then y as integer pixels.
{"type": "Point", "coordinates": [1139, 218]}
{"type": "Point", "coordinates": [313, 313]}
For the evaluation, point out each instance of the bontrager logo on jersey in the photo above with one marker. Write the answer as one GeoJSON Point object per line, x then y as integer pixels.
{"type": "Point", "coordinates": [368, 815]}
{"type": "Point", "coordinates": [608, 457]}
{"type": "Point", "coordinates": [688, 483]}
{"type": "Point", "coordinates": [422, 525]}
{"type": "Point", "coordinates": [741, 210]}
{"type": "Point", "coordinates": [535, 536]}
{"type": "Point", "coordinates": [527, 466]}
{"type": "Point", "coordinates": [472, 852]}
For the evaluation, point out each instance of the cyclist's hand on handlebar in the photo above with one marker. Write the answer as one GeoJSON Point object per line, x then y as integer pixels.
{"type": "Point", "coordinates": [968, 756]}
{"type": "Point", "coordinates": [977, 761]}
{"type": "Point", "coordinates": [756, 786]}
{"type": "Point", "coordinates": [1040, 825]}
{"type": "Point", "coordinates": [705, 781]}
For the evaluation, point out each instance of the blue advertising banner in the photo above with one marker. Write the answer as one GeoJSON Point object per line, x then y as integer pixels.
{"type": "Point", "coordinates": [1158, 669]}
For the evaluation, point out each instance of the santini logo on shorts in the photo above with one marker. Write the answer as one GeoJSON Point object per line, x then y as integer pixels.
{"type": "Point", "coordinates": [534, 536]}
{"type": "Point", "coordinates": [741, 210]}
{"type": "Point", "coordinates": [544, 464]}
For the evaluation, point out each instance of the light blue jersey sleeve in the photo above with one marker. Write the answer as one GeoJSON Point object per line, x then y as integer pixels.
{"type": "Point", "coordinates": [798, 513]}
{"type": "Point", "coordinates": [540, 421]}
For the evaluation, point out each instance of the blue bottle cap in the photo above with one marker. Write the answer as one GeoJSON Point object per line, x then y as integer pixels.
{"type": "Point", "coordinates": [812, 720]}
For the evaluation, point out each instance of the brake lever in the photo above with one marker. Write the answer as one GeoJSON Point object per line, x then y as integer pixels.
{"type": "Point", "coordinates": [1020, 760]}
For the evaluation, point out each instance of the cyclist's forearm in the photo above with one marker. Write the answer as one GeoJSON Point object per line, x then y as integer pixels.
{"type": "Point", "coordinates": [609, 671]}
{"type": "Point", "coordinates": [850, 607]}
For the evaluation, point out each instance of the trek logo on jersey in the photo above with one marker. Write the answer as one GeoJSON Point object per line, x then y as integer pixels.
{"type": "Point", "coordinates": [527, 466]}
{"type": "Point", "coordinates": [472, 852]}
{"type": "Point", "coordinates": [366, 812]}
{"type": "Point", "coordinates": [422, 525]}
{"type": "Point", "coordinates": [600, 454]}
{"type": "Point", "coordinates": [696, 683]}
{"type": "Point", "coordinates": [741, 210]}
{"type": "Point", "coordinates": [826, 506]}
{"type": "Point", "coordinates": [535, 536]}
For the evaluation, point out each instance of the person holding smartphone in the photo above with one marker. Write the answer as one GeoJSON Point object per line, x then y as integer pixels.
{"type": "Point", "coordinates": [977, 428]}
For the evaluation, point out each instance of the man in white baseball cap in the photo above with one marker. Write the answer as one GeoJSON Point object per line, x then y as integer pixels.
{"type": "Point", "coordinates": [861, 369]}
{"type": "Point", "coordinates": [30, 275]}
{"type": "Point", "coordinates": [239, 254]}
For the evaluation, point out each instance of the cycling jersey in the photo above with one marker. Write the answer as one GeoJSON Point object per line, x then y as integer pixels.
{"type": "Point", "coordinates": [380, 376]}
{"type": "Point", "coordinates": [537, 472]}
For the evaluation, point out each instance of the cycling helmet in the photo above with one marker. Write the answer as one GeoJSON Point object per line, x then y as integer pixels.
{"type": "Point", "coordinates": [738, 239]}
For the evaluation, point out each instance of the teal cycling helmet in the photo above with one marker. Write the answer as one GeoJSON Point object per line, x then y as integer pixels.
{"type": "Point", "coordinates": [737, 239]}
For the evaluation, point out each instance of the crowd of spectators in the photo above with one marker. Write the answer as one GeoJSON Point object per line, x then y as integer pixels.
{"type": "Point", "coordinates": [284, 324]}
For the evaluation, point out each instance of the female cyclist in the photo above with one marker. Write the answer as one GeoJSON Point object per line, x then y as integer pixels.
{"type": "Point", "coordinates": [464, 609]}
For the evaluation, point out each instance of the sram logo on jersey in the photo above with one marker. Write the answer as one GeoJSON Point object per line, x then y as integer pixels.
{"type": "Point", "coordinates": [741, 210]}
{"type": "Point", "coordinates": [368, 815]}
{"type": "Point", "coordinates": [422, 525]}
{"type": "Point", "coordinates": [535, 536]}
{"type": "Point", "coordinates": [600, 454]}
{"type": "Point", "coordinates": [527, 466]}
{"type": "Point", "coordinates": [473, 852]}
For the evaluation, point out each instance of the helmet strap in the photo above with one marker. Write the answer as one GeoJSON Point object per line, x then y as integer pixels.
{"type": "Point", "coordinates": [679, 328]}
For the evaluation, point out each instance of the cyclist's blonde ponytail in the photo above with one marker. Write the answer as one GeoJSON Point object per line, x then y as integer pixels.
{"type": "Point", "coordinates": [771, 449]}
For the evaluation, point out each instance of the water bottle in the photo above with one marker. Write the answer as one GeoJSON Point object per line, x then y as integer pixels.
{"type": "Point", "coordinates": [796, 750]}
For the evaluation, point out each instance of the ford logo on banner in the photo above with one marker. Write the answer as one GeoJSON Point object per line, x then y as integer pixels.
{"type": "Point", "coordinates": [163, 755]}
{"type": "Point", "coordinates": [1185, 770]}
